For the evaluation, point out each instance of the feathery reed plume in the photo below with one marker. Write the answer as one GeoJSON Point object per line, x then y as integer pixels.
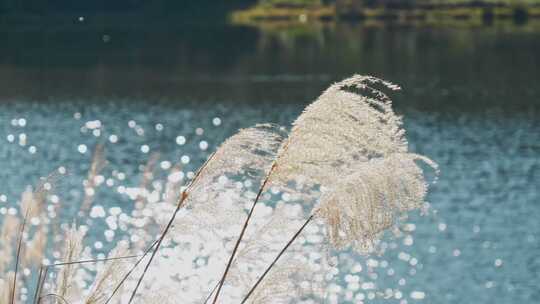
{"type": "Point", "coordinates": [44, 269]}
{"type": "Point", "coordinates": [126, 276]}
{"type": "Point", "coordinates": [365, 204]}
{"type": "Point", "coordinates": [351, 123]}
{"type": "Point", "coordinates": [108, 276]}
{"type": "Point", "coordinates": [142, 201]}
{"type": "Point", "coordinates": [10, 223]}
{"type": "Point", "coordinates": [338, 130]}
{"type": "Point", "coordinates": [36, 246]}
{"type": "Point", "coordinates": [265, 238]}
{"type": "Point", "coordinates": [6, 287]}
{"type": "Point", "coordinates": [72, 252]}
{"type": "Point", "coordinates": [147, 176]}
{"type": "Point", "coordinates": [98, 163]}
{"type": "Point", "coordinates": [279, 286]}
{"type": "Point", "coordinates": [162, 236]}
{"type": "Point", "coordinates": [248, 151]}
{"type": "Point", "coordinates": [289, 243]}
{"type": "Point", "coordinates": [172, 188]}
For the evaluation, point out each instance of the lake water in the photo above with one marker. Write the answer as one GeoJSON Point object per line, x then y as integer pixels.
{"type": "Point", "coordinates": [470, 101]}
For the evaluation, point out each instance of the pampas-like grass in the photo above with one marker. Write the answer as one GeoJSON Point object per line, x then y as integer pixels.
{"type": "Point", "coordinates": [65, 283]}
{"type": "Point", "coordinates": [98, 163]}
{"type": "Point", "coordinates": [246, 152]}
{"type": "Point", "coordinates": [346, 155]}
{"type": "Point", "coordinates": [350, 123]}
{"type": "Point", "coordinates": [342, 128]}
{"type": "Point", "coordinates": [6, 287]}
{"type": "Point", "coordinates": [351, 142]}
{"type": "Point", "coordinates": [9, 225]}
{"type": "Point", "coordinates": [108, 276]}
{"type": "Point", "coordinates": [364, 204]}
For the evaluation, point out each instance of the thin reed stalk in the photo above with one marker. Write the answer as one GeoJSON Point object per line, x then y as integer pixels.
{"type": "Point", "coordinates": [246, 223]}
{"type": "Point", "coordinates": [129, 272]}
{"type": "Point", "coordinates": [54, 296]}
{"type": "Point", "coordinates": [160, 240]}
{"type": "Point", "coordinates": [211, 293]}
{"type": "Point", "coordinates": [38, 285]}
{"type": "Point", "coordinates": [19, 246]}
{"type": "Point", "coordinates": [44, 269]}
{"type": "Point", "coordinates": [179, 206]}
{"type": "Point", "coordinates": [95, 260]}
{"type": "Point", "coordinates": [277, 258]}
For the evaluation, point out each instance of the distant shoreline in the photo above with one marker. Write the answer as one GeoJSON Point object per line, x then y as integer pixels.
{"type": "Point", "coordinates": [433, 14]}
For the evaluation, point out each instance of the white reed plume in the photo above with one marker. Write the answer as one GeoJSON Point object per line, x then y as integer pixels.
{"type": "Point", "coordinates": [281, 285]}
{"type": "Point", "coordinates": [108, 276]}
{"type": "Point", "coordinates": [250, 152]}
{"type": "Point", "coordinates": [98, 163]}
{"type": "Point", "coordinates": [6, 286]}
{"type": "Point", "coordinates": [36, 246]}
{"type": "Point", "coordinates": [246, 153]}
{"type": "Point", "coordinates": [364, 204]}
{"type": "Point", "coordinates": [8, 234]}
{"type": "Point", "coordinates": [340, 129]}
{"type": "Point", "coordinates": [351, 143]}
{"type": "Point", "coordinates": [65, 283]}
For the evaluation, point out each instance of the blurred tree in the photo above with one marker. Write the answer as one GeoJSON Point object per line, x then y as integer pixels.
{"type": "Point", "coordinates": [122, 5]}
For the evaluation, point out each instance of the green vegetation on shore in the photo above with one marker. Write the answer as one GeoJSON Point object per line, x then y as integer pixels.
{"type": "Point", "coordinates": [426, 12]}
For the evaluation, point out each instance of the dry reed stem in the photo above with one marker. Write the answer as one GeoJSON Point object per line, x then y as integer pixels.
{"type": "Point", "coordinates": [129, 272]}
{"type": "Point", "coordinates": [211, 293]}
{"type": "Point", "coordinates": [38, 285]}
{"type": "Point", "coordinates": [19, 246]}
{"type": "Point", "coordinates": [58, 297]}
{"type": "Point", "coordinates": [246, 223]}
{"type": "Point", "coordinates": [180, 204]}
{"type": "Point", "coordinates": [278, 257]}
{"type": "Point", "coordinates": [40, 288]}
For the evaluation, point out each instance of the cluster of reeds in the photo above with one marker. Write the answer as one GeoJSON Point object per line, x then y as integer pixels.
{"type": "Point", "coordinates": [258, 223]}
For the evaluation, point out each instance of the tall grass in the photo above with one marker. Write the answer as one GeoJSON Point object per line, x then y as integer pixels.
{"type": "Point", "coordinates": [259, 222]}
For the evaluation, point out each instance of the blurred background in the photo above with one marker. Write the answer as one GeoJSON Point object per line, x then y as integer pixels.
{"type": "Point", "coordinates": [170, 80]}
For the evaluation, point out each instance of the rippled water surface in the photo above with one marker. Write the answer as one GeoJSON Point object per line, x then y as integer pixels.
{"type": "Point", "coordinates": [471, 102]}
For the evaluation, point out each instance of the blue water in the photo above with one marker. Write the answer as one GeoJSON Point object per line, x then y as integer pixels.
{"type": "Point", "coordinates": [480, 245]}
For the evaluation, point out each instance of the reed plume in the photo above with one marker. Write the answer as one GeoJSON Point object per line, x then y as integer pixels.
{"type": "Point", "coordinates": [345, 165]}
{"type": "Point", "coordinates": [97, 164]}
{"type": "Point", "coordinates": [364, 204]}
{"type": "Point", "coordinates": [351, 144]}
{"type": "Point", "coordinates": [246, 152]}
{"type": "Point", "coordinates": [65, 283]}
{"type": "Point", "coordinates": [351, 122]}
{"type": "Point", "coordinates": [108, 276]}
